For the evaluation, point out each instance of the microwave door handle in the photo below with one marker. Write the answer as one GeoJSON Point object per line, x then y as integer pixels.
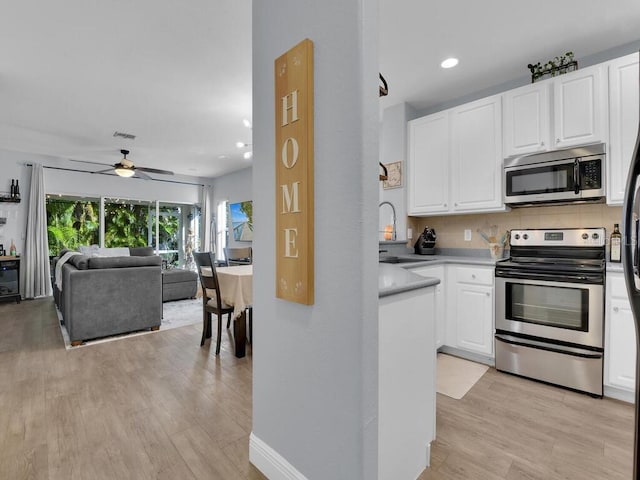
{"type": "Point", "coordinates": [576, 176]}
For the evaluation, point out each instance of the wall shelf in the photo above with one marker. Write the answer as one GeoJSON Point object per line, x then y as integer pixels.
{"type": "Point", "coordinates": [8, 199]}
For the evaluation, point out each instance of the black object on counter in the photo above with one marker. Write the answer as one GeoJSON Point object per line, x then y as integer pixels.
{"type": "Point", "coordinates": [426, 242]}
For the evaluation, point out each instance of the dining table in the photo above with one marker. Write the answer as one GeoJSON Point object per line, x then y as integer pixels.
{"type": "Point", "coordinates": [236, 290]}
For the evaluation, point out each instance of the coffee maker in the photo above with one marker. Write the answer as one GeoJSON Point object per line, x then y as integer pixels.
{"type": "Point", "coordinates": [425, 245]}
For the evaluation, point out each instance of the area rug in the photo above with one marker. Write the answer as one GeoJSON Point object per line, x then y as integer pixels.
{"type": "Point", "coordinates": [175, 314]}
{"type": "Point", "coordinates": [455, 376]}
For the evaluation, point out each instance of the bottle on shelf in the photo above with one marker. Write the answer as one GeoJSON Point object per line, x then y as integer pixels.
{"type": "Point", "coordinates": [12, 249]}
{"type": "Point", "coordinates": [13, 189]}
{"type": "Point", "coordinates": [615, 244]}
{"type": "Point", "coordinates": [16, 191]}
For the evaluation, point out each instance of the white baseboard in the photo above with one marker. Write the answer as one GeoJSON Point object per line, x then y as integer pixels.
{"type": "Point", "coordinates": [272, 465]}
{"type": "Point", "coordinates": [619, 394]}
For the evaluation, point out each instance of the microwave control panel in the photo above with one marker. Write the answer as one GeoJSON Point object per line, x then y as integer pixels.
{"type": "Point", "coordinates": [590, 174]}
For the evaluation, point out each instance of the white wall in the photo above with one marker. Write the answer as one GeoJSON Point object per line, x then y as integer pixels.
{"type": "Point", "coordinates": [315, 367]}
{"type": "Point", "coordinates": [15, 213]}
{"type": "Point", "coordinates": [233, 187]}
{"type": "Point", "coordinates": [393, 148]}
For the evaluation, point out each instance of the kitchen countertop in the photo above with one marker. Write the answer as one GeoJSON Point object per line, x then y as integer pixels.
{"type": "Point", "coordinates": [393, 280]}
{"type": "Point", "coordinates": [411, 260]}
{"type": "Point", "coordinates": [396, 278]}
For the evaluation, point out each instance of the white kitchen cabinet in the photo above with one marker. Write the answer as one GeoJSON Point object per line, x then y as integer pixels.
{"type": "Point", "coordinates": [455, 160]}
{"type": "Point", "coordinates": [580, 107]}
{"type": "Point", "coordinates": [428, 166]}
{"type": "Point", "coordinates": [526, 119]}
{"type": "Point", "coordinates": [473, 309]}
{"type": "Point", "coordinates": [476, 156]}
{"type": "Point", "coordinates": [623, 123]}
{"type": "Point", "coordinates": [620, 338]}
{"type": "Point", "coordinates": [437, 271]}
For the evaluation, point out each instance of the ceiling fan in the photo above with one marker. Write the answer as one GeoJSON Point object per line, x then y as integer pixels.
{"type": "Point", "coordinates": [126, 168]}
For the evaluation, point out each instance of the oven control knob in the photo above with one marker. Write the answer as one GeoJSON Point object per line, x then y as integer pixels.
{"type": "Point", "coordinates": [595, 236]}
{"type": "Point", "coordinates": [517, 236]}
{"type": "Point", "coordinates": [525, 236]}
{"type": "Point", "coordinates": [585, 236]}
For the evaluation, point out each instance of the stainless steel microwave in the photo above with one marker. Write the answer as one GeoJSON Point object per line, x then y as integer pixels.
{"type": "Point", "coordinates": [561, 176]}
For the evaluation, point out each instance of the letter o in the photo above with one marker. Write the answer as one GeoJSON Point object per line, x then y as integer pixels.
{"type": "Point", "coordinates": [285, 157]}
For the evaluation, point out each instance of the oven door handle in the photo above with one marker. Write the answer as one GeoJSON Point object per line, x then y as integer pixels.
{"type": "Point", "coordinates": [524, 342]}
{"type": "Point", "coordinates": [596, 278]}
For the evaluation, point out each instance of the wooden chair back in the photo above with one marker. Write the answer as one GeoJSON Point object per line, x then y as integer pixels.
{"type": "Point", "coordinates": [209, 283]}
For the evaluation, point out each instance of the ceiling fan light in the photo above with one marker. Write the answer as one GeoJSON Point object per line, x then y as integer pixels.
{"type": "Point", "coordinates": [124, 172]}
{"type": "Point", "coordinates": [449, 62]}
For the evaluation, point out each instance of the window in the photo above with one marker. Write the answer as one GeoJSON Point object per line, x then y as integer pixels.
{"type": "Point", "coordinates": [128, 223]}
{"type": "Point", "coordinates": [76, 221]}
{"type": "Point", "coordinates": [71, 222]}
{"type": "Point", "coordinates": [222, 232]}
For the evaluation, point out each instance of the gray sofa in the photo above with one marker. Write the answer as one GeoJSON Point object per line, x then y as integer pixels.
{"type": "Point", "coordinates": [104, 296]}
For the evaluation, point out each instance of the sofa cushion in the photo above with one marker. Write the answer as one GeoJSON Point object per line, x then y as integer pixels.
{"type": "Point", "coordinates": [123, 262]}
{"type": "Point", "coordinates": [178, 275]}
{"type": "Point", "coordinates": [141, 251]}
{"type": "Point", "coordinates": [81, 262]}
{"type": "Point", "coordinates": [95, 251]}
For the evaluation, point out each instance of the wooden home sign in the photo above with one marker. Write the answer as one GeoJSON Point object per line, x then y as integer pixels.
{"type": "Point", "coordinates": [294, 174]}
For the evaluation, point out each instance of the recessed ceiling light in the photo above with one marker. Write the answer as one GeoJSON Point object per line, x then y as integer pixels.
{"type": "Point", "coordinates": [246, 123]}
{"type": "Point", "coordinates": [241, 144]}
{"type": "Point", "coordinates": [247, 155]}
{"type": "Point", "coordinates": [449, 62]}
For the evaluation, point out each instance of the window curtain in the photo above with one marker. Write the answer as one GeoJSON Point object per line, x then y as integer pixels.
{"type": "Point", "coordinates": [34, 269]}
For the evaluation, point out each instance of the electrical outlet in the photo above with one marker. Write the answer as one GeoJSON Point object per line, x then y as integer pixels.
{"type": "Point", "coordinates": [467, 235]}
{"type": "Point", "coordinates": [409, 232]}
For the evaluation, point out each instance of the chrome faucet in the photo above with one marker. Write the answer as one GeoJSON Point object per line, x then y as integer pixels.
{"type": "Point", "coordinates": [393, 232]}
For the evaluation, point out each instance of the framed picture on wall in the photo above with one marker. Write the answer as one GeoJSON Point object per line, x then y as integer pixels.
{"type": "Point", "coordinates": [394, 175]}
{"type": "Point", "coordinates": [241, 215]}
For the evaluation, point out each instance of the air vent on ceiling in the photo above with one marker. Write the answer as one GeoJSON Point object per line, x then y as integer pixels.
{"type": "Point", "coordinates": [124, 135]}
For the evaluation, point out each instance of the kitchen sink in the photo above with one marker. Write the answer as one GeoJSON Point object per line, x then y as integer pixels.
{"type": "Point", "coordinates": [394, 259]}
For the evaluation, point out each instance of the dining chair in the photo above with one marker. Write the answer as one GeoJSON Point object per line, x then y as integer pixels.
{"type": "Point", "coordinates": [211, 299]}
{"type": "Point", "coordinates": [238, 255]}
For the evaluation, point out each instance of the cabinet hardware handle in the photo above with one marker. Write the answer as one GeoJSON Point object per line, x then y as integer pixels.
{"type": "Point", "coordinates": [542, 144]}
{"type": "Point", "coordinates": [557, 140]}
{"type": "Point", "coordinates": [616, 309]}
{"type": "Point", "coordinates": [488, 294]}
{"type": "Point", "coordinates": [445, 204]}
{"type": "Point", "coordinates": [473, 275]}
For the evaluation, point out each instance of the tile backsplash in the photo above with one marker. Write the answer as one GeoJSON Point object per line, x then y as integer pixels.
{"type": "Point", "coordinates": [450, 228]}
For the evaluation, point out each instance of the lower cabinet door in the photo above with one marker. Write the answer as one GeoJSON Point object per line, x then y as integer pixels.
{"type": "Point", "coordinates": [621, 349]}
{"type": "Point", "coordinates": [473, 318]}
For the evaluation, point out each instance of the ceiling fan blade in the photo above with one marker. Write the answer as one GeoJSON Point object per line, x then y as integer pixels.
{"type": "Point", "coordinates": [93, 163]}
{"type": "Point", "coordinates": [144, 176]}
{"type": "Point", "coordinates": [154, 170]}
{"type": "Point", "coordinates": [104, 171]}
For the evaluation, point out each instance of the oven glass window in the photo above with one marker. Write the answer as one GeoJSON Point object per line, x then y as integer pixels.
{"type": "Point", "coordinates": [557, 178]}
{"type": "Point", "coordinates": [562, 307]}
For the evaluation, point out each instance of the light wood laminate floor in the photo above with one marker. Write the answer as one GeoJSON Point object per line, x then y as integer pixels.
{"type": "Point", "coordinates": [160, 407]}
{"type": "Point", "coordinates": [155, 406]}
{"type": "Point", "coordinates": [507, 427]}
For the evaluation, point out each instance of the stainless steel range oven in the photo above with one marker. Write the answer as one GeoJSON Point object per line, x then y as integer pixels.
{"type": "Point", "coordinates": [550, 307]}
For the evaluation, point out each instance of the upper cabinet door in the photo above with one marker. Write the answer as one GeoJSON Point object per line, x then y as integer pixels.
{"type": "Point", "coordinates": [428, 166]}
{"type": "Point", "coordinates": [476, 158]}
{"type": "Point", "coordinates": [580, 107]}
{"type": "Point", "coordinates": [623, 123]}
{"type": "Point", "coordinates": [526, 119]}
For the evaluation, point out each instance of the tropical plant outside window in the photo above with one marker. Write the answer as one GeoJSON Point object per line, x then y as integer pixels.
{"type": "Point", "coordinates": [127, 223]}
{"type": "Point", "coordinates": [73, 222]}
